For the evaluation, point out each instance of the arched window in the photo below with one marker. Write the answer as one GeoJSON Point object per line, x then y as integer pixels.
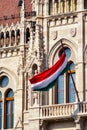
{"type": "Point", "coordinates": [0, 110]}
{"type": "Point", "coordinates": [34, 69]}
{"type": "Point", "coordinates": [50, 7]}
{"type": "Point", "coordinates": [12, 37]}
{"type": "Point", "coordinates": [9, 109]}
{"type": "Point", "coordinates": [18, 36]}
{"type": "Point", "coordinates": [65, 91]}
{"type": "Point", "coordinates": [2, 39]}
{"type": "Point", "coordinates": [70, 85]}
{"type": "Point", "coordinates": [7, 38]}
{"type": "Point", "coordinates": [27, 35]}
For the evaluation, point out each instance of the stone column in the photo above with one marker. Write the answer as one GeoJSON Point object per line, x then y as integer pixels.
{"type": "Point", "coordinates": [18, 96]}
{"type": "Point", "coordinates": [10, 38]}
{"type": "Point", "coordinates": [80, 5]}
{"type": "Point", "coordinates": [31, 45]}
{"type": "Point", "coordinates": [65, 10]}
{"type": "Point", "coordinates": [22, 24]}
{"type": "Point", "coordinates": [58, 6]}
{"type": "Point", "coordinates": [4, 39]}
{"type": "Point", "coordinates": [80, 59]}
{"type": "Point", "coordinates": [44, 125]}
{"type": "Point", "coordinates": [46, 8]}
{"type": "Point", "coordinates": [67, 6]}
{"type": "Point", "coordinates": [26, 91]}
{"type": "Point", "coordinates": [79, 123]}
{"type": "Point", "coordinates": [34, 123]}
{"type": "Point", "coordinates": [37, 6]}
{"type": "Point", "coordinates": [73, 5]}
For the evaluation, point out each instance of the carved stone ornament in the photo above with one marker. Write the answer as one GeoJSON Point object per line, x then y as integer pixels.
{"type": "Point", "coordinates": [73, 32]}
{"type": "Point", "coordinates": [54, 35]}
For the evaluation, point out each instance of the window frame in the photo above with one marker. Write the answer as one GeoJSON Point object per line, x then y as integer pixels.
{"type": "Point", "coordinates": [8, 99]}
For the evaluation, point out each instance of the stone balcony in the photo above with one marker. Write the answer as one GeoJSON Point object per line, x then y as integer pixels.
{"type": "Point", "coordinates": [69, 110]}
{"type": "Point", "coordinates": [56, 112]}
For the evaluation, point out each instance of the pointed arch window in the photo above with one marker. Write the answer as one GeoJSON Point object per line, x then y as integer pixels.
{"type": "Point", "coordinates": [71, 90]}
{"type": "Point", "coordinates": [2, 39]}
{"type": "Point", "coordinates": [7, 38]}
{"type": "Point", "coordinates": [12, 37]}
{"type": "Point", "coordinates": [0, 110]}
{"type": "Point", "coordinates": [34, 69]}
{"type": "Point", "coordinates": [27, 35]}
{"type": "Point", "coordinates": [18, 36]}
{"type": "Point", "coordinates": [9, 109]}
{"type": "Point", "coordinates": [64, 90]}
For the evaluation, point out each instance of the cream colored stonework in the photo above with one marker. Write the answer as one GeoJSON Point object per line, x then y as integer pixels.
{"type": "Point", "coordinates": [37, 110]}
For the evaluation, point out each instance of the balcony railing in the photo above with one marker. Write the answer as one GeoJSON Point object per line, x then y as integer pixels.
{"type": "Point", "coordinates": [63, 110]}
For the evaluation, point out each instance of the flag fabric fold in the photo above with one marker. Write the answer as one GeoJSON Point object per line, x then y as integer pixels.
{"type": "Point", "coordinates": [46, 79]}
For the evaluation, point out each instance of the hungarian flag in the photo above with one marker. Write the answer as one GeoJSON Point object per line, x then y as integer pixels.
{"type": "Point", "coordinates": [46, 80]}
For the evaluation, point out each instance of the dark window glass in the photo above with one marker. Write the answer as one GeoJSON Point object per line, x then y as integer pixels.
{"type": "Point", "coordinates": [27, 35]}
{"type": "Point", "coordinates": [71, 89]}
{"type": "Point", "coordinates": [61, 89]}
{"type": "Point", "coordinates": [0, 94]}
{"type": "Point", "coordinates": [4, 81]}
{"type": "Point", "coordinates": [65, 86]}
{"type": "Point", "coordinates": [0, 115]}
{"type": "Point", "coordinates": [67, 51]}
{"type": "Point", "coordinates": [9, 109]}
{"type": "Point", "coordinates": [85, 4]}
{"type": "Point", "coordinates": [7, 34]}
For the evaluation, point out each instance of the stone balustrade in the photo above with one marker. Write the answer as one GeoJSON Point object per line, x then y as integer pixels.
{"type": "Point", "coordinates": [63, 110]}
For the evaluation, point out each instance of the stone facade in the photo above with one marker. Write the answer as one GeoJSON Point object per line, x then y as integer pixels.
{"type": "Point", "coordinates": [32, 44]}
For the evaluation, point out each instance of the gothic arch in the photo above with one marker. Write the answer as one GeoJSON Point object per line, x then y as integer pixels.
{"type": "Point", "coordinates": [11, 75]}
{"type": "Point", "coordinates": [57, 46]}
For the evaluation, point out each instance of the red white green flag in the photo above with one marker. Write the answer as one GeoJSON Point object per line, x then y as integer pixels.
{"type": "Point", "coordinates": [46, 80]}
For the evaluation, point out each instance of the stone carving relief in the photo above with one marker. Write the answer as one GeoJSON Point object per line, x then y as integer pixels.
{"type": "Point", "coordinates": [73, 32]}
{"type": "Point", "coordinates": [54, 35]}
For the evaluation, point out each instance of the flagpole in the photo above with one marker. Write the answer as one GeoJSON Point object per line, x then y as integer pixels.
{"type": "Point", "coordinates": [71, 77]}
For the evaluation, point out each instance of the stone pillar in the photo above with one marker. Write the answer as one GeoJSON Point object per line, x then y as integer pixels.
{"type": "Point", "coordinates": [37, 6]}
{"type": "Point", "coordinates": [4, 39]}
{"type": "Point", "coordinates": [67, 6]}
{"type": "Point", "coordinates": [85, 61]}
{"type": "Point", "coordinates": [26, 91]}
{"type": "Point", "coordinates": [31, 39]}
{"type": "Point", "coordinates": [80, 5]}
{"type": "Point", "coordinates": [73, 5]}
{"type": "Point", "coordinates": [80, 62]}
{"type": "Point", "coordinates": [10, 38]}
{"type": "Point", "coordinates": [79, 123]}
{"type": "Point", "coordinates": [37, 39]}
{"type": "Point", "coordinates": [61, 6]}
{"type": "Point", "coordinates": [46, 8]}
{"type": "Point", "coordinates": [44, 125]}
{"type": "Point", "coordinates": [22, 24]}
{"type": "Point", "coordinates": [15, 38]}
{"type": "Point", "coordinates": [58, 6]}
{"type": "Point", "coordinates": [33, 119]}
{"type": "Point", "coordinates": [18, 96]}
